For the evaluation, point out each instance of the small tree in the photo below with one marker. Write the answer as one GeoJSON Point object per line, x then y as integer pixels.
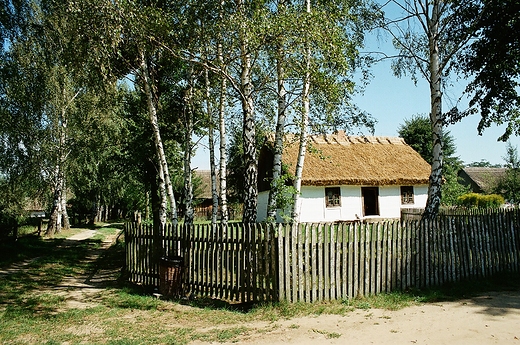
{"type": "Point", "coordinates": [510, 185]}
{"type": "Point", "coordinates": [417, 132]}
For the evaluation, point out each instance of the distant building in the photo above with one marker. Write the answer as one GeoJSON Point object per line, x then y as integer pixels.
{"type": "Point", "coordinates": [203, 196]}
{"type": "Point", "coordinates": [482, 179]}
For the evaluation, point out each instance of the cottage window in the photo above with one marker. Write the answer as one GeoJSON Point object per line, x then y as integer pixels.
{"type": "Point", "coordinates": [332, 197]}
{"type": "Point", "coordinates": [406, 195]}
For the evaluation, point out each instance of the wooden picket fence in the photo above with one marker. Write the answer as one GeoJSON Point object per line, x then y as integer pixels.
{"type": "Point", "coordinates": [310, 262]}
{"type": "Point", "coordinates": [236, 262]}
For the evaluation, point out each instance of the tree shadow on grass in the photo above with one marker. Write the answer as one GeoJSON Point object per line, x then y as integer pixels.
{"type": "Point", "coordinates": [32, 265]}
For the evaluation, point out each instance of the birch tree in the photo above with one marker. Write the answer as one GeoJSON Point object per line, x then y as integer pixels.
{"type": "Point", "coordinates": [307, 54]}
{"type": "Point", "coordinates": [221, 119]}
{"type": "Point", "coordinates": [248, 113]}
{"type": "Point", "coordinates": [331, 34]}
{"type": "Point", "coordinates": [39, 49]}
{"type": "Point", "coordinates": [281, 43]}
{"type": "Point", "coordinates": [127, 39]}
{"type": "Point", "coordinates": [422, 35]}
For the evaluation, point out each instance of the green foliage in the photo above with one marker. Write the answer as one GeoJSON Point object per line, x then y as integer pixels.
{"type": "Point", "coordinates": [8, 223]}
{"type": "Point", "coordinates": [509, 186]}
{"type": "Point", "coordinates": [284, 191]}
{"type": "Point", "coordinates": [417, 133]}
{"type": "Point", "coordinates": [483, 164]}
{"type": "Point", "coordinates": [481, 200]}
{"type": "Point", "coordinates": [492, 62]}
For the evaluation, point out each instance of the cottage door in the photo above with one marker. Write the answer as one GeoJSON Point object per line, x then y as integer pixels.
{"type": "Point", "coordinates": [370, 197]}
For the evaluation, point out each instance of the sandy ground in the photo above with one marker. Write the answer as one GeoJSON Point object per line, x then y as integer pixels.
{"type": "Point", "coordinates": [489, 319]}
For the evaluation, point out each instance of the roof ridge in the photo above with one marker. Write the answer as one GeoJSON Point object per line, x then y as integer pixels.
{"type": "Point", "coordinates": [355, 139]}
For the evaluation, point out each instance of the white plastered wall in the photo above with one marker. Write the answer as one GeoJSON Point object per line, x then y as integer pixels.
{"type": "Point", "coordinates": [312, 204]}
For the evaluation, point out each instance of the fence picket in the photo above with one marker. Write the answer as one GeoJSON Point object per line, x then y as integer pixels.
{"type": "Point", "coordinates": [386, 255]}
{"type": "Point", "coordinates": [379, 258]}
{"type": "Point", "coordinates": [281, 263]}
{"type": "Point", "coordinates": [344, 258]}
{"type": "Point", "coordinates": [351, 228]}
{"type": "Point", "coordinates": [362, 259]}
{"type": "Point", "coordinates": [373, 258]}
{"type": "Point", "coordinates": [301, 277]}
{"type": "Point", "coordinates": [331, 263]}
{"type": "Point", "coordinates": [308, 266]}
{"type": "Point", "coordinates": [328, 261]}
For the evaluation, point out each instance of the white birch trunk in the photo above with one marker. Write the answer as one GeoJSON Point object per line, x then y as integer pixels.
{"type": "Point", "coordinates": [161, 157]}
{"type": "Point", "coordinates": [64, 213]}
{"type": "Point", "coordinates": [249, 131]}
{"type": "Point", "coordinates": [188, 121]}
{"type": "Point", "coordinates": [55, 219]}
{"type": "Point", "coordinates": [224, 215]}
{"type": "Point", "coordinates": [212, 165]}
{"type": "Point", "coordinates": [147, 206]}
{"type": "Point", "coordinates": [436, 116]}
{"type": "Point", "coordinates": [222, 131]}
{"type": "Point", "coordinates": [303, 130]}
{"type": "Point", "coordinates": [278, 140]}
{"type": "Point", "coordinates": [54, 225]}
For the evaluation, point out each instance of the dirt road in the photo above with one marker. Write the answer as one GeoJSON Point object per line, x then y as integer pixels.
{"type": "Point", "coordinates": [488, 319]}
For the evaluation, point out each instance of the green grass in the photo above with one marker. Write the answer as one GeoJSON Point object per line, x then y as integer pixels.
{"type": "Point", "coordinates": [104, 232]}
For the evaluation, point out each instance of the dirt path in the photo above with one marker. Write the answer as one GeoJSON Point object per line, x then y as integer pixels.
{"type": "Point", "coordinates": [82, 291]}
{"type": "Point", "coordinates": [490, 319]}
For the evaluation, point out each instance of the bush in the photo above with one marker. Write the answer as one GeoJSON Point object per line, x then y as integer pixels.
{"type": "Point", "coordinates": [8, 223]}
{"type": "Point", "coordinates": [480, 200]}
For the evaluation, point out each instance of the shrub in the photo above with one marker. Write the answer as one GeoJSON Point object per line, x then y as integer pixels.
{"type": "Point", "coordinates": [491, 200]}
{"type": "Point", "coordinates": [8, 223]}
{"type": "Point", "coordinates": [480, 200]}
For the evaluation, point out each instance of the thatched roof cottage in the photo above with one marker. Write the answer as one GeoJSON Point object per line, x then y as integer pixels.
{"type": "Point", "coordinates": [347, 178]}
{"type": "Point", "coordinates": [482, 179]}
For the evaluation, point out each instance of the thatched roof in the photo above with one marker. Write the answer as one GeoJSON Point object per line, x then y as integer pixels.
{"type": "Point", "coordinates": [338, 159]}
{"type": "Point", "coordinates": [204, 189]}
{"type": "Point", "coordinates": [482, 179]}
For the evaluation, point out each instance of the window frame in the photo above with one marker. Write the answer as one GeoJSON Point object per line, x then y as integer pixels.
{"type": "Point", "coordinates": [336, 195]}
{"type": "Point", "coordinates": [407, 195]}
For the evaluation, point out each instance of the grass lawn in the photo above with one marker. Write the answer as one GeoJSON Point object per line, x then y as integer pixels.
{"type": "Point", "coordinates": [32, 312]}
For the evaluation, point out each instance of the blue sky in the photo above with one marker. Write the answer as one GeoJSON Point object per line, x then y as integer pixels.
{"type": "Point", "coordinates": [391, 100]}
